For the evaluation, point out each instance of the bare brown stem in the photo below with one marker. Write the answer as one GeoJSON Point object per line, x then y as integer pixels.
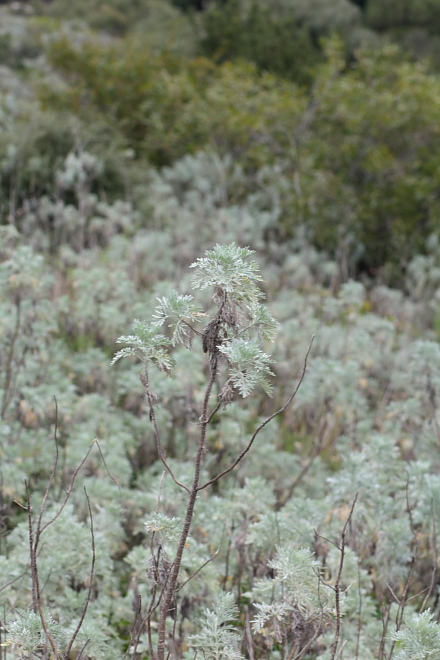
{"type": "Point", "coordinates": [337, 587]}
{"type": "Point", "coordinates": [31, 549]}
{"type": "Point", "coordinates": [67, 496]}
{"type": "Point", "coordinates": [191, 577]}
{"type": "Point", "coordinates": [106, 467]}
{"type": "Point", "coordinates": [37, 603]}
{"type": "Point", "coordinates": [402, 602]}
{"type": "Point", "coordinates": [434, 565]}
{"type": "Point", "coordinates": [52, 476]}
{"type": "Point", "coordinates": [91, 580]}
{"type": "Point", "coordinates": [174, 574]}
{"type": "Point", "coordinates": [158, 437]}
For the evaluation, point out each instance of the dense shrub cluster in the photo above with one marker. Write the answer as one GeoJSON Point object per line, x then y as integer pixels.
{"type": "Point", "coordinates": [364, 422]}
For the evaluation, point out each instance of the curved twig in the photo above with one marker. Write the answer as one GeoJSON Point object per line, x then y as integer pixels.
{"type": "Point", "coordinates": [40, 530]}
{"type": "Point", "coordinates": [150, 397]}
{"type": "Point", "coordinates": [89, 592]}
{"type": "Point", "coordinates": [265, 423]}
{"type": "Point", "coordinates": [337, 587]}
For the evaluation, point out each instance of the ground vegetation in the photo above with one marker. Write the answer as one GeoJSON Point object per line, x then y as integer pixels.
{"type": "Point", "coordinates": [257, 473]}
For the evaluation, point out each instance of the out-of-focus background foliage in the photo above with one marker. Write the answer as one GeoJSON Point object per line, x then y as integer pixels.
{"type": "Point", "coordinates": [134, 135]}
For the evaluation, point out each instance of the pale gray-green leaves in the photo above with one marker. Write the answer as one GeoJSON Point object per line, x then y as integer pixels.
{"type": "Point", "coordinates": [296, 594]}
{"type": "Point", "coordinates": [27, 635]}
{"type": "Point", "coordinates": [420, 638]}
{"type": "Point", "coordinates": [168, 529]}
{"type": "Point", "coordinates": [146, 344]}
{"type": "Point", "coordinates": [181, 312]}
{"type": "Point", "coordinates": [263, 322]}
{"type": "Point", "coordinates": [218, 639]}
{"type": "Point", "coordinates": [249, 365]}
{"type": "Point", "coordinates": [228, 267]}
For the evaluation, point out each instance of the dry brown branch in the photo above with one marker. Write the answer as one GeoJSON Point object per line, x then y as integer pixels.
{"type": "Point", "coordinates": [35, 533]}
{"type": "Point", "coordinates": [54, 471]}
{"type": "Point", "coordinates": [434, 566]}
{"type": "Point", "coordinates": [80, 654]}
{"type": "Point", "coordinates": [151, 403]}
{"type": "Point", "coordinates": [359, 626]}
{"type": "Point", "coordinates": [8, 584]}
{"type": "Point", "coordinates": [191, 577]}
{"type": "Point", "coordinates": [40, 529]}
{"type": "Point", "coordinates": [37, 603]}
{"type": "Point", "coordinates": [337, 587]}
{"type": "Point", "coordinates": [249, 640]}
{"type": "Point", "coordinates": [216, 409]}
{"type": "Point", "coordinates": [169, 590]}
{"type": "Point", "coordinates": [105, 465]}
{"type": "Point", "coordinates": [402, 602]}
{"type": "Point", "coordinates": [385, 624]}
{"type": "Point", "coordinates": [91, 581]}
{"type": "Point", "coordinates": [265, 423]}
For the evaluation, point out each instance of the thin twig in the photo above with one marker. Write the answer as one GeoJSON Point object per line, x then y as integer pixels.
{"type": "Point", "coordinates": [78, 657]}
{"type": "Point", "coordinates": [305, 648]}
{"type": "Point", "coordinates": [68, 492]}
{"type": "Point", "coordinates": [146, 383]}
{"type": "Point", "coordinates": [15, 579]}
{"type": "Point", "coordinates": [391, 590]}
{"type": "Point", "coordinates": [265, 423]}
{"type": "Point", "coordinates": [385, 623]}
{"type": "Point", "coordinates": [359, 627]}
{"type": "Point", "coordinates": [249, 640]}
{"type": "Point", "coordinates": [402, 605]}
{"type": "Point", "coordinates": [196, 332]}
{"type": "Point", "coordinates": [91, 581]}
{"type": "Point", "coordinates": [403, 601]}
{"type": "Point", "coordinates": [34, 575]}
{"type": "Point", "coordinates": [208, 561]}
{"type": "Point", "coordinates": [214, 411]}
{"type": "Point", "coordinates": [337, 587]}
{"type": "Point", "coordinates": [327, 539]}
{"type": "Point", "coordinates": [106, 467]}
{"type": "Point", "coordinates": [434, 566]}
{"type": "Point", "coordinates": [52, 476]}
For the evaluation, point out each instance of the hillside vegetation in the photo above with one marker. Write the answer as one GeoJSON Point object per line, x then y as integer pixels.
{"type": "Point", "coordinates": [242, 198]}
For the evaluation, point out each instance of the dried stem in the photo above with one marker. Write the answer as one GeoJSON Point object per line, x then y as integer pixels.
{"type": "Point", "coordinates": [40, 530]}
{"type": "Point", "coordinates": [91, 580]}
{"type": "Point", "coordinates": [146, 383]}
{"type": "Point", "coordinates": [52, 476]}
{"type": "Point", "coordinates": [402, 602]}
{"type": "Point", "coordinates": [434, 566]}
{"type": "Point", "coordinates": [191, 577]}
{"type": "Point", "coordinates": [35, 532]}
{"type": "Point", "coordinates": [337, 587]}
{"type": "Point", "coordinates": [169, 590]}
{"type": "Point", "coordinates": [37, 603]}
{"type": "Point", "coordinates": [265, 423]}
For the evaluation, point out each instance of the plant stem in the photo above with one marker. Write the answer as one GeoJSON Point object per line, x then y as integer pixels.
{"type": "Point", "coordinates": [172, 581]}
